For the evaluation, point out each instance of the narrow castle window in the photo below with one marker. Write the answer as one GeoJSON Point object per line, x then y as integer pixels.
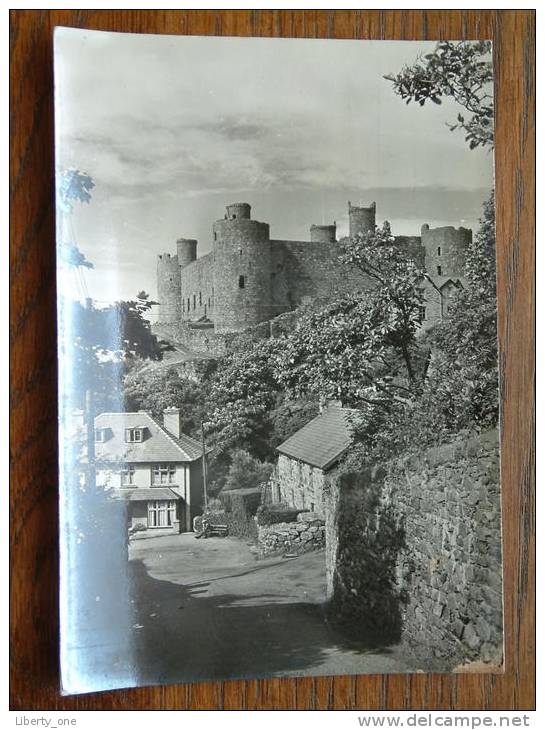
{"type": "Point", "coordinates": [215, 236]}
{"type": "Point", "coordinates": [200, 299]}
{"type": "Point", "coordinates": [438, 271]}
{"type": "Point", "coordinates": [241, 282]}
{"type": "Point", "coordinates": [194, 301]}
{"type": "Point", "coordinates": [439, 250]}
{"type": "Point", "coordinates": [188, 304]}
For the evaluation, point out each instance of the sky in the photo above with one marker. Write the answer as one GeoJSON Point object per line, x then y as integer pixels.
{"type": "Point", "coordinates": [174, 128]}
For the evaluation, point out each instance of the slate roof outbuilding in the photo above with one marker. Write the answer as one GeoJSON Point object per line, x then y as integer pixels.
{"type": "Point", "coordinates": [323, 440]}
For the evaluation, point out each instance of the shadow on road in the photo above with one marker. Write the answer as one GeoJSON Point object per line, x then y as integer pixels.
{"type": "Point", "coordinates": [185, 635]}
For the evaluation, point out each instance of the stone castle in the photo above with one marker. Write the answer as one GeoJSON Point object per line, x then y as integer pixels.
{"type": "Point", "coordinates": [249, 278]}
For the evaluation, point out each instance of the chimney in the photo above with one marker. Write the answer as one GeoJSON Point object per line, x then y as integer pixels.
{"type": "Point", "coordinates": [171, 421]}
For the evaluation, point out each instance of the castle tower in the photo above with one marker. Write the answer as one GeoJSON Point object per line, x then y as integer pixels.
{"type": "Point", "coordinates": [242, 270]}
{"type": "Point", "coordinates": [236, 211]}
{"type": "Point", "coordinates": [187, 251]}
{"type": "Point", "coordinates": [323, 234]}
{"type": "Point", "coordinates": [361, 220]}
{"type": "Point", "coordinates": [168, 288]}
{"type": "Point", "coordinates": [445, 250]}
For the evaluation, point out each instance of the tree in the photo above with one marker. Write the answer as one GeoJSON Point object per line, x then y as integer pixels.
{"type": "Point", "coordinates": [361, 348]}
{"type": "Point", "coordinates": [462, 71]}
{"type": "Point", "coordinates": [290, 415]}
{"type": "Point", "coordinates": [126, 331]}
{"type": "Point", "coordinates": [398, 295]}
{"type": "Point", "coordinates": [149, 389]}
{"type": "Point", "coordinates": [467, 341]}
{"type": "Point", "coordinates": [103, 341]}
{"type": "Point", "coordinates": [72, 185]}
{"type": "Point", "coordinates": [246, 472]}
{"type": "Point", "coordinates": [240, 396]}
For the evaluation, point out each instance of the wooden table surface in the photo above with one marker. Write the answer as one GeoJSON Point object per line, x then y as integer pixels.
{"type": "Point", "coordinates": [33, 452]}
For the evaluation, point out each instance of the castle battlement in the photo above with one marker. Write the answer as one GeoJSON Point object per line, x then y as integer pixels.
{"type": "Point", "coordinates": [248, 278]}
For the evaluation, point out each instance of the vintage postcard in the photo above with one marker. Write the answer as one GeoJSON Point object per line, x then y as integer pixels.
{"type": "Point", "coordinates": [278, 430]}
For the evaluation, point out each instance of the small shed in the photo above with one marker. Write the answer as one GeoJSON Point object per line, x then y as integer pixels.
{"type": "Point", "coordinates": [306, 458]}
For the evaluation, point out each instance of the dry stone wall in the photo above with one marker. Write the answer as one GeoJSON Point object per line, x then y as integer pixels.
{"type": "Point", "coordinates": [307, 533]}
{"type": "Point", "coordinates": [414, 553]}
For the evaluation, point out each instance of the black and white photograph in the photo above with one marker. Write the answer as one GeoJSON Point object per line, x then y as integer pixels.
{"type": "Point", "coordinates": [278, 361]}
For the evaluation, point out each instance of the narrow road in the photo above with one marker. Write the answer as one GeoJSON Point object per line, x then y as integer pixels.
{"type": "Point", "coordinates": [207, 609]}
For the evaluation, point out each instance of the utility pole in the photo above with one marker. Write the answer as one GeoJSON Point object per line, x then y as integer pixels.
{"type": "Point", "coordinates": [204, 468]}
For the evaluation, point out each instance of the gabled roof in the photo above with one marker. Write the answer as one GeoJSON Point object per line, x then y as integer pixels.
{"type": "Point", "coordinates": [158, 446]}
{"type": "Point", "coordinates": [323, 440]}
{"type": "Point", "coordinates": [438, 282]}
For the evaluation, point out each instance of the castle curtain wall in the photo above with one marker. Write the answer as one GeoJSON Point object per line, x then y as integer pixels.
{"type": "Point", "coordinates": [197, 289]}
{"type": "Point", "coordinates": [248, 279]}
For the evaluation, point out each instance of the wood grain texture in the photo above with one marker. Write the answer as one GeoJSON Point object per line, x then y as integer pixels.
{"type": "Point", "coordinates": [33, 453]}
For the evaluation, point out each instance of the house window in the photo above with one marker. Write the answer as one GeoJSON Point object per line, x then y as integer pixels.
{"type": "Point", "coordinates": [241, 282]}
{"type": "Point", "coordinates": [422, 313]}
{"type": "Point", "coordinates": [438, 271]}
{"type": "Point", "coordinates": [127, 475]}
{"type": "Point", "coordinates": [100, 435]}
{"type": "Point", "coordinates": [439, 250]}
{"type": "Point", "coordinates": [133, 435]}
{"type": "Point", "coordinates": [163, 474]}
{"type": "Point", "coordinates": [161, 514]}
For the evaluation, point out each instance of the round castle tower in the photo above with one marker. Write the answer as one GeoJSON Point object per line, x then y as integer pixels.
{"type": "Point", "coordinates": [445, 250]}
{"type": "Point", "coordinates": [242, 270]}
{"type": "Point", "coordinates": [168, 288]}
{"type": "Point", "coordinates": [323, 234]}
{"type": "Point", "coordinates": [361, 220]}
{"type": "Point", "coordinates": [187, 251]}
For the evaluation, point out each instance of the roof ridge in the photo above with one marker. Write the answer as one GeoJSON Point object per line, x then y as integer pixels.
{"type": "Point", "coordinates": [172, 438]}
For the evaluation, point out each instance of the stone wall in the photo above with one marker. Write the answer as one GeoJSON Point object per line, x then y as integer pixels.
{"type": "Point", "coordinates": [307, 533]}
{"type": "Point", "coordinates": [414, 553]}
{"type": "Point", "coordinates": [303, 271]}
{"type": "Point", "coordinates": [298, 485]}
{"type": "Point", "coordinates": [197, 289]}
{"type": "Point", "coordinates": [412, 246]}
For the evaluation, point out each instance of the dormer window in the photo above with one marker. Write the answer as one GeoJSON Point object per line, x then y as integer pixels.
{"type": "Point", "coordinates": [134, 435]}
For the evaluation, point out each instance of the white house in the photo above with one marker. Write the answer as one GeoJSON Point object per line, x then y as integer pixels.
{"type": "Point", "coordinates": [152, 466]}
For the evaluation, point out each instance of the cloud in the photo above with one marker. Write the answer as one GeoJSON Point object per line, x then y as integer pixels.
{"type": "Point", "coordinates": [174, 128]}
